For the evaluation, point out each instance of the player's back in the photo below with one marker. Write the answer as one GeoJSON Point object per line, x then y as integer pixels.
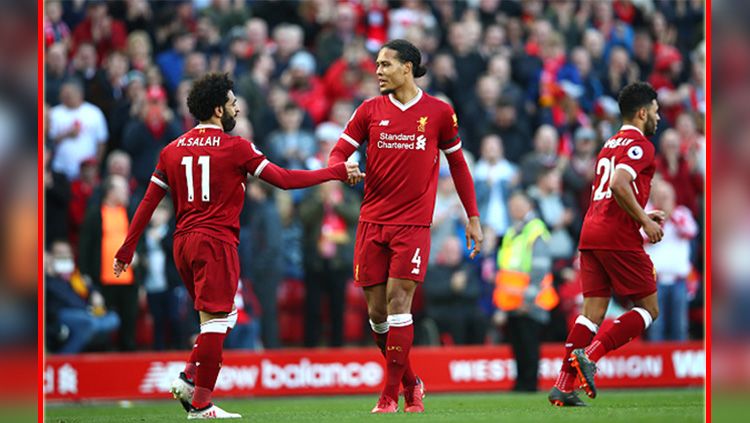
{"type": "Point", "coordinates": [206, 170]}
{"type": "Point", "coordinates": [607, 226]}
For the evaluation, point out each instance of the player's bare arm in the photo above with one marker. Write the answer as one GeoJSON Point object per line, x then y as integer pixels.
{"type": "Point", "coordinates": [625, 198]}
{"type": "Point", "coordinates": [474, 233]}
{"type": "Point", "coordinates": [657, 216]}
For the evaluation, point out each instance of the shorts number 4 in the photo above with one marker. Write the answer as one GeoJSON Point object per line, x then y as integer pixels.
{"type": "Point", "coordinates": [417, 260]}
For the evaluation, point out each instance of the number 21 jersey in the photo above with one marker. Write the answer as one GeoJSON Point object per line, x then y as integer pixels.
{"type": "Point", "coordinates": [607, 226]}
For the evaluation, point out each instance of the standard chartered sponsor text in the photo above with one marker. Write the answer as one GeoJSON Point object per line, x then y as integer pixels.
{"type": "Point", "coordinates": [396, 141]}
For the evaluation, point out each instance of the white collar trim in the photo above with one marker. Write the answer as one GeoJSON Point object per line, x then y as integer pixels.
{"type": "Point", "coordinates": [208, 126]}
{"type": "Point", "coordinates": [404, 107]}
{"type": "Point", "coordinates": [630, 127]}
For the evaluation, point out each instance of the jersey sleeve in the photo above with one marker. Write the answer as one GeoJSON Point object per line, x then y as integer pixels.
{"type": "Point", "coordinates": [357, 128]}
{"type": "Point", "coordinates": [449, 141]}
{"type": "Point", "coordinates": [253, 161]}
{"type": "Point", "coordinates": [638, 156]}
{"type": "Point", "coordinates": [140, 221]}
{"type": "Point", "coordinates": [159, 177]}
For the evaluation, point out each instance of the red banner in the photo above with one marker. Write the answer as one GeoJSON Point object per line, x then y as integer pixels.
{"type": "Point", "coordinates": [359, 370]}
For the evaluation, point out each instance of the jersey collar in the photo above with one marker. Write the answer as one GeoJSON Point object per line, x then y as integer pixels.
{"type": "Point", "coordinates": [208, 126]}
{"type": "Point", "coordinates": [404, 107]}
{"type": "Point", "coordinates": [629, 128]}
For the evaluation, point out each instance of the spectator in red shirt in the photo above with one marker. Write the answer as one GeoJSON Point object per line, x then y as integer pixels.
{"type": "Point", "coordinates": [668, 67]}
{"type": "Point", "coordinates": [80, 192]}
{"type": "Point", "coordinates": [107, 34]}
{"type": "Point", "coordinates": [55, 30]}
{"type": "Point", "coordinates": [675, 169]}
{"type": "Point", "coordinates": [305, 88]}
{"type": "Point", "coordinates": [345, 74]}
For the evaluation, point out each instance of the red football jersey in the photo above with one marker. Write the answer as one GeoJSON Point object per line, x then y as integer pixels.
{"type": "Point", "coordinates": [402, 155]}
{"type": "Point", "coordinates": [606, 225]}
{"type": "Point", "coordinates": [205, 171]}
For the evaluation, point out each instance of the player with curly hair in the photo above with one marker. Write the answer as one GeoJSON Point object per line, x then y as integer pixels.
{"type": "Point", "coordinates": [205, 171]}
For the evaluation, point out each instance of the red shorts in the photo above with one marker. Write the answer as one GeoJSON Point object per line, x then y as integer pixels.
{"type": "Point", "coordinates": [396, 251]}
{"type": "Point", "coordinates": [628, 273]}
{"type": "Point", "coordinates": [210, 269]}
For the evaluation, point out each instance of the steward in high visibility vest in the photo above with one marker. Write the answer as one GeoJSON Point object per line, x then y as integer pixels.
{"type": "Point", "coordinates": [517, 282]}
{"type": "Point", "coordinates": [524, 293]}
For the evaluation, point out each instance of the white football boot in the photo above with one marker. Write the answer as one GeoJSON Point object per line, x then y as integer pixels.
{"type": "Point", "coordinates": [182, 390]}
{"type": "Point", "coordinates": [211, 412]}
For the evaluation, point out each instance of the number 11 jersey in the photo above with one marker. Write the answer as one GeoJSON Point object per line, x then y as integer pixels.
{"type": "Point", "coordinates": [607, 226]}
{"type": "Point", "coordinates": [205, 171]}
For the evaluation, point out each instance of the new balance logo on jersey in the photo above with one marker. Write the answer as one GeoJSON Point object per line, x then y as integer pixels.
{"type": "Point", "coordinates": [385, 122]}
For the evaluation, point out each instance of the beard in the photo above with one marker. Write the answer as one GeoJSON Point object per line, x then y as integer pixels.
{"type": "Point", "coordinates": [228, 121]}
{"type": "Point", "coordinates": [650, 127]}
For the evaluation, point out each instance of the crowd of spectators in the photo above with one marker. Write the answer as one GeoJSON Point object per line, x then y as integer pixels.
{"type": "Point", "coordinates": [534, 85]}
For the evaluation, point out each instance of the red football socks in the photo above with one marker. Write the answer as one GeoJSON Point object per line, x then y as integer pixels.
{"type": "Point", "coordinates": [579, 337]}
{"type": "Point", "coordinates": [380, 340]}
{"type": "Point", "coordinates": [409, 379]}
{"type": "Point", "coordinates": [208, 359]}
{"type": "Point", "coordinates": [400, 339]}
{"type": "Point", "coordinates": [190, 368]}
{"type": "Point", "coordinates": [565, 381]}
{"type": "Point", "coordinates": [626, 327]}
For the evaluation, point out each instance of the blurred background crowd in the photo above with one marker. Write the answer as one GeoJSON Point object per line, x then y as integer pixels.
{"type": "Point", "coordinates": [534, 85]}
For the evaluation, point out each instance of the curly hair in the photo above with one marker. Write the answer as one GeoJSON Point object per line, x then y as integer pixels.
{"type": "Point", "coordinates": [207, 93]}
{"type": "Point", "coordinates": [635, 96]}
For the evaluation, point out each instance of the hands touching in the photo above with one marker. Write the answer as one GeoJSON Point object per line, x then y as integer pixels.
{"type": "Point", "coordinates": [353, 173]}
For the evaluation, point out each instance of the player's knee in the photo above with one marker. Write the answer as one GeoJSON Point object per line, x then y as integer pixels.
{"type": "Point", "coordinates": [398, 304]}
{"type": "Point", "coordinates": [595, 316]}
{"type": "Point", "coordinates": [652, 307]}
{"type": "Point", "coordinates": [648, 313]}
{"type": "Point", "coordinates": [377, 314]}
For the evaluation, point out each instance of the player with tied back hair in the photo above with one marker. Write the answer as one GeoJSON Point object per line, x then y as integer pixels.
{"type": "Point", "coordinates": [612, 254]}
{"type": "Point", "coordinates": [405, 129]}
{"type": "Point", "coordinates": [205, 171]}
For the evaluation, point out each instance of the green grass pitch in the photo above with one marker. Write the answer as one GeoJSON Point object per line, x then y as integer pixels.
{"type": "Point", "coordinates": [656, 405]}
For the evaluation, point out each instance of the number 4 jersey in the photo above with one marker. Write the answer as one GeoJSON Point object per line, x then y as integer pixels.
{"type": "Point", "coordinates": [205, 171]}
{"type": "Point", "coordinates": [607, 226]}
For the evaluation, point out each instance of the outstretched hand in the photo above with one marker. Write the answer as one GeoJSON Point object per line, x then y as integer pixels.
{"type": "Point", "coordinates": [118, 267]}
{"type": "Point", "coordinates": [474, 233]}
{"type": "Point", "coordinates": [354, 175]}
